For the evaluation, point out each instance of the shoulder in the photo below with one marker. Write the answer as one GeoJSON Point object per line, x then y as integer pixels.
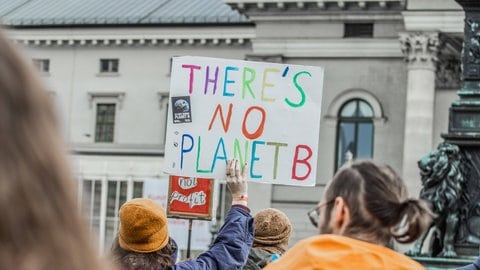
{"type": "Point", "coordinates": [473, 266]}
{"type": "Point", "coordinates": [339, 252]}
{"type": "Point", "coordinates": [240, 210]}
{"type": "Point", "coordinates": [257, 259]}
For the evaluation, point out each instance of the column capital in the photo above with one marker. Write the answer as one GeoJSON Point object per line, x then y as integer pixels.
{"type": "Point", "coordinates": [420, 49]}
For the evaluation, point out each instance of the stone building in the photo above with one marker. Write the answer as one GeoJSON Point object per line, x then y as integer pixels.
{"type": "Point", "coordinates": [391, 71]}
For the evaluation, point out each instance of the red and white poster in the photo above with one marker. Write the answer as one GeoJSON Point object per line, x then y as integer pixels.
{"type": "Point", "coordinates": [157, 190]}
{"type": "Point", "coordinates": [190, 197]}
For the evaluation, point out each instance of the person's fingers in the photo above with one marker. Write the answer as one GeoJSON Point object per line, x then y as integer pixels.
{"type": "Point", "coordinates": [237, 168]}
{"type": "Point", "coordinates": [244, 171]}
{"type": "Point", "coordinates": [232, 168]}
{"type": "Point", "coordinates": [229, 164]}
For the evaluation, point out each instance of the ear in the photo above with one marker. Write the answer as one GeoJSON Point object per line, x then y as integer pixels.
{"type": "Point", "coordinates": [340, 216]}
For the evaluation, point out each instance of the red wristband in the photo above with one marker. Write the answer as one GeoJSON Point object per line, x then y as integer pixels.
{"type": "Point", "coordinates": [240, 198]}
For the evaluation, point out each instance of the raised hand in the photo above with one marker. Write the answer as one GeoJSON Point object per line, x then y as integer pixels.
{"type": "Point", "coordinates": [236, 182]}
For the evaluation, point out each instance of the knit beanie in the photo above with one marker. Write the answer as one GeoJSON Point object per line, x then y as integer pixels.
{"type": "Point", "coordinates": [143, 226]}
{"type": "Point", "coordinates": [272, 230]}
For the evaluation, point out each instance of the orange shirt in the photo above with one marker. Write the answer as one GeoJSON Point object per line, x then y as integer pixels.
{"type": "Point", "coordinates": [336, 252]}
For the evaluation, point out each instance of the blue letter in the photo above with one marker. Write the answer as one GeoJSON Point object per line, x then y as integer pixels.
{"type": "Point", "coordinates": [185, 150]}
{"type": "Point", "coordinates": [215, 157]}
{"type": "Point", "coordinates": [225, 93]}
{"type": "Point", "coordinates": [254, 158]}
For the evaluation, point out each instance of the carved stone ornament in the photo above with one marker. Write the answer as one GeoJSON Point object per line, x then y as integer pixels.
{"type": "Point", "coordinates": [471, 52]}
{"type": "Point", "coordinates": [447, 75]}
{"type": "Point", "coordinates": [420, 49]}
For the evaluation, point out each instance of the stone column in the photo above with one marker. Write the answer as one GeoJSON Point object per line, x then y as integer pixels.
{"type": "Point", "coordinates": [420, 50]}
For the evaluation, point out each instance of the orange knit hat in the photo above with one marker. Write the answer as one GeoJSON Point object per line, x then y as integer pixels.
{"type": "Point", "coordinates": [143, 226]}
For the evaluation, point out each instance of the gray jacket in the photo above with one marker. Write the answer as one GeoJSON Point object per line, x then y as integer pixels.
{"type": "Point", "coordinates": [257, 259]}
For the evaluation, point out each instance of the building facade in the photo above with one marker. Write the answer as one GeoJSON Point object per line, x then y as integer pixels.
{"type": "Point", "coordinates": [392, 68]}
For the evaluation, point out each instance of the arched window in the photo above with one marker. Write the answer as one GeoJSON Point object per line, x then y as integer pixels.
{"type": "Point", "coordinates": [354, 132]}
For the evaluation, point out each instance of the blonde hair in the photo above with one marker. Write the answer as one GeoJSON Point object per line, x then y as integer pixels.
{"type": "Point", "coordinates": [41, 227]}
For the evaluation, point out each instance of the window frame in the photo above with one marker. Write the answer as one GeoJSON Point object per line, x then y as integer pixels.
{"type": "Point", "coordinates": [96, 137]}
{"type": "Point", "coordinates": [348, 30]}
{"type": "Point", "coordinates": [356, 120]}
{"type": "Point", "coordinates": [111, 62]}
{"type": "Point", "coordinates": [94, 201]}
{"type": "Point", "coordinates": [95, 98]}
{"type": "Point", "coordinates": [42, 65]}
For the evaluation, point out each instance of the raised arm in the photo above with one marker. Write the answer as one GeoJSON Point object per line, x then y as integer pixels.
{"type": "Point", "coordinates": [234, 240]}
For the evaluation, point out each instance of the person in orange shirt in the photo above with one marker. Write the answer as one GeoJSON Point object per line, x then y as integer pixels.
{"type": "Point", "coordinates": [365, 207]}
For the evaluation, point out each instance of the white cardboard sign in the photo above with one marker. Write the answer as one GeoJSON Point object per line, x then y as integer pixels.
{"type": "Point", "coordinates": [266, 115]}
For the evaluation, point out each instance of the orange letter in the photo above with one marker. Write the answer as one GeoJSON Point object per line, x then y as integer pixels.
{"type": "Point", "coordinates": [304, 161]}
{"type": "Point", "coordinates": [259, 131]}
{"type": "Point", "coordinates": [225, 124]}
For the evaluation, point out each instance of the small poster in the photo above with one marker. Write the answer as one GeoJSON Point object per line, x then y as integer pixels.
{"type": "Point", "coordinates": [157, 190]}
{"type": "Point", "coordinates": [181, 110]}
{"type": "Point", "coordinates": [190, 197]}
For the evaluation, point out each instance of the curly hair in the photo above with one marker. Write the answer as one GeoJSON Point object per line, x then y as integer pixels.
{"type": "Point", "coordinates": [131, 260]}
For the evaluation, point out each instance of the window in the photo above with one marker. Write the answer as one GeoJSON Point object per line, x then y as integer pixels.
{"type": "Point", "coordinates": [104, 222]}
{"type": "Point", "coordinates": [354, 132]}
{"type": "Point", "coordinates": [105, 122]}
{"type": "Point", "coordinates": [358, 30]}
{"type": "Point", "coordinates": [42, 65]}
{"type": "Point", "coordinates": [109, 65]}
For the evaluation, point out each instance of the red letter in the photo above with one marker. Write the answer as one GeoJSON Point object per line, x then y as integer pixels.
{"type": "Point", "coordinates": [303, 161]}
{"type": "Point", "coordinates": [259, 131]}
{"type": "Point", "coordinates": [191, 67]}
{"type": "Point", "coordinates": [225, 124]}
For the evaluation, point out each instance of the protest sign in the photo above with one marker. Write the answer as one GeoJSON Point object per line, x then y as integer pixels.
{"type": "Point", "coordinates": [190, 197]}
{"type": "Point", "coordinates": [157, 190]}
{"type": "Point", "coordinates": [266, 115]}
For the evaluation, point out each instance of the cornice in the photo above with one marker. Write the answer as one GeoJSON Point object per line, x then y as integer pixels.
{"type": "Point", "coordinates": [232, 36]}
{"type": "Point", "coordinates": [108, 149]}
{"type": "Point", "coordinates": [311, 4]}
{"type": "Point", "coordinates": [441, 21]}
{"type": "Point", "coordinates": [329, 48]}
{"type": "Point", "coordinates": [130, 42]}
{"type": "Point", "coordinates": [329, 17]}
{"type": "Point", "coordinates": [119, 96]}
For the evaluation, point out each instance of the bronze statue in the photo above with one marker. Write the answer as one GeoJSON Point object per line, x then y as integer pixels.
{"type": "Point", "coordinates": [443, 186]}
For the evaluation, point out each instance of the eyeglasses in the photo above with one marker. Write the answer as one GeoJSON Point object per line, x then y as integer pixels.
{"type": "Point", "coordinates": [314, 214]}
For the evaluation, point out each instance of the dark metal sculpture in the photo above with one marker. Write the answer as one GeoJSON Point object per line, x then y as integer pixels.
{"type": "Point", "coordinates": [443, 185]}
{"type": "Point", "coordinates": [468, 234]}
{"type": "Point", "coordinates": [451, 174]}
{"type": "Point", "coordinates": [464, 131]}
